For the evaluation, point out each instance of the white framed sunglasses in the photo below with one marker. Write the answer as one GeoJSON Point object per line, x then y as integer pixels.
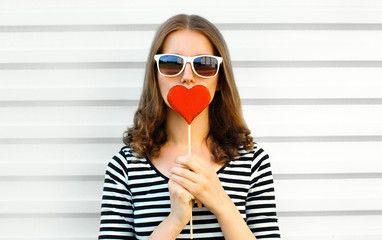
{"type": "Point", "coordinates": [171, 65]}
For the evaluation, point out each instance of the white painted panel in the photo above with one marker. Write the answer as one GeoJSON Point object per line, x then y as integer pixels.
{"type": "Point", "coordinates": [46, 168]}
{"type": "Point", "coordinates": [73, 55]}
{"type": "Point", "coordinates": [42, 206]}
{"type": "Point", "coordinates": [290, 158]}
{"type": "Point", "coordinates": [244, 76]}
{"type": "Point", "coordinates": [17, 4]}
{"type": "Point", "coordinates": [58, 153]}
{"type": "Point", "coordinates": [50, 189]}
{"type": "Point", "coordinates": [81, 115]}
{"type": "Point", "coordinates": [49, 160]}
{"type": "Point", "coordinates": [267, 120]}
{"type": "Point", "coordinates": [76, 40]}
{"type": "Point", "coordinates": [313, 120]}
{"type": "Point", "coordinates": [346, 227]}
{"type": "Point", "coordinates": [358, 53]}
{"type": "Point", "coordinates": [49, 227]}
{"type": "Point", "coordinates": [154, 15]}
{"type": "Point", "coordinates": [81, 228]}
{"type": "Point", "coordinates": [321, 195]}
{"type": "Point", "coordinates": [72, 78]}
{"type": "Point", "coordinates": [124, 46]}
{"type": "Point", "coordinates": [321, 83]}
{"type": "Point", "coordinates": [234, 38]}
{"type": "Point", "coordinates": [287, 91]}
{"type": "Point", "coordinates": [301, 195]}
{"type": "Point", "coordinates": [253, 83]}
{"type": "Point", "coordinates": [325, 157]}
{"type": "Point", "coordinates": [69, 93]}
{"type": "Point", "coordinates": [62, 131]}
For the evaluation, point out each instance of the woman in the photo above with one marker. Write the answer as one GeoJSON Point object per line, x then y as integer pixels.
{"type": "Point", "coordinates": [151, 184]}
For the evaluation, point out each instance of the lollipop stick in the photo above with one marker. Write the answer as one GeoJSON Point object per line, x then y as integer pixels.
{"type": "Point", "coordinates": [189, 139]}
{"type": "Point", "coordinates": [192, 201]}
{"type": "Point", "coordinates": [191, 232]}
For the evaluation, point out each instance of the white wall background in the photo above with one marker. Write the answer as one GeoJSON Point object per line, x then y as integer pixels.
{"type": "Point", "coordinates": [309, 73]}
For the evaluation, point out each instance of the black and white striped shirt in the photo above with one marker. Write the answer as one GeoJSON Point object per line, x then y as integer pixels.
{"type": "Point", "coordinates": [136, 198]}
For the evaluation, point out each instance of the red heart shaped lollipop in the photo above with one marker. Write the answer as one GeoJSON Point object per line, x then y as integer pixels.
{"type": "Point", "coordinates": [188, 103]}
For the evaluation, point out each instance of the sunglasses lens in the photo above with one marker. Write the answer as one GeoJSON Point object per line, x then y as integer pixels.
{"type": "Point", "coordinates": [206, 66]}
{"type": "Point", "coordinates": [170, 65]}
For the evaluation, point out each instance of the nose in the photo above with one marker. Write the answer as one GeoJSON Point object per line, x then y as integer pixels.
{"type": "Point", "coordinates": [188, 74]}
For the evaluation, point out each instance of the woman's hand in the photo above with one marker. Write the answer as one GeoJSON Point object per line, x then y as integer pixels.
{"type": "Point", "coordinates": [199, 178]}
{"type": "Point", "coordinates": [181, 201]}
{"type": "Point", "coordinates": [179, 216]}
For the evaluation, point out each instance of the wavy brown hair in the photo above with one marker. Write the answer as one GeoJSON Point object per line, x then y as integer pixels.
{"type": "Point", "coordinates": [228, 130]}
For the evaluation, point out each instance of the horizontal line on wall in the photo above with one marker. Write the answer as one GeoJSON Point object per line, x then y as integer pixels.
{"type": "Point", "coordinates": [237, 64]}
{"type": "Point", "coordinates": [95, 178]}
{"type": "Point", "coordinates": [375, 138]}
{"type": "Point", "coordinates": [100, 178]}
{"type": "Point", "coordinates": [308, 101]}
{"type": "Point", "coordinates": [301, 26]}
{"type": "Point", "coordinates": [61, 140]}
{"type": "Point", "coordinates": [82, 237]}
{"type": "Point", "coordinates": [223, 26]}
{"type": "Point", "coordinates": [66, 103]}
{"type": "Point", "coordinates": [81, 28]}
{"type": "Point", "coordinates": [279, 213]}
{"type": "Point", "coordinates": [50, 215]}
{"type": "Point", "coordinates": [71, 65]}
{"type": "Point", "coordinates": [319, 139]}
{"type": "Point", "coordinates": [329, 213]}
{"type": "Point", "coordinates": [97, 103]}
{"type": "Point", "coordinates": [327, 176]}
{"type": "Point", "coordinates": [306, 64]}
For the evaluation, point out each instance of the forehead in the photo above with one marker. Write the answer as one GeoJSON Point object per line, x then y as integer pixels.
{"type": "Point", "coordinates": [187, 43]}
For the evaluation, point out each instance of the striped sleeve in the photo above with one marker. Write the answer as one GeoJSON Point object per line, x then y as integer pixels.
{"type": "Point", "coordinates": [260, 202]}
{"type": "Point", "coordinates": [117, 205]}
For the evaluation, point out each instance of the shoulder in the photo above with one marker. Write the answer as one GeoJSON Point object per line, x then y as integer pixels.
{"type": "Point", "coordinates": [123, 160]}
{"type": "Point", "coordinates": [257, 156]}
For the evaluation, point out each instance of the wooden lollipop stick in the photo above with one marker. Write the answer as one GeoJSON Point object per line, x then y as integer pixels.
{"type": "Point", "coordinates": [191, 231]}
{"type": "Point", "coordinates": [189, 139]}
{"type": "Point", "coordinates": [192, 201]}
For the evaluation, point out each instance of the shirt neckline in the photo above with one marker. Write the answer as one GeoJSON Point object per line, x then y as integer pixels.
{"type": "Point", "coordinates": [156, 170]}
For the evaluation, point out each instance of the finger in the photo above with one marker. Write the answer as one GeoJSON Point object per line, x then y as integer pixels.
{"type": "Point", "coordinates": [186, 196]}
{"type": "Point", "coordinates": [184, 182]}
{"type": "Point", "coordinates": [180, 191]}
{"type": "Point", "coordinates": [200, 205]}
{"type": "Point", "coordinates": [185, 173]}
{"type": "Point", "coordinates": [192, 162]}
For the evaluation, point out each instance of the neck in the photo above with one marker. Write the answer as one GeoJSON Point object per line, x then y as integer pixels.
{"type": "Point", "coordinates": [177, 130]}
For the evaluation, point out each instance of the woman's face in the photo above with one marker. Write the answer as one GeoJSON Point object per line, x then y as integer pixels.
{"type": "Point", "coordinates": [186, 43]}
